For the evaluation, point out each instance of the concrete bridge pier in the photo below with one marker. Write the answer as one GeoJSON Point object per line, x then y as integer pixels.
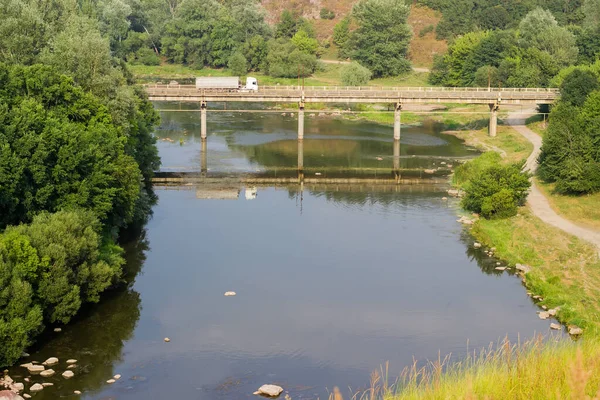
{"type": "Point", "coordinates": [203, 120]}
{"type": "Point", "coordinates": [493, 127]}
{"type": "Point", "coordinates": [300, 156]}
{"type": "Point", "coordinates": [396, 165]}
{"type": "Point", "coordinates": [301, 121]}
{"type": "Point", "coordinates": [203, 156]}
{"type": "Point", "coordinates": [397, 112]}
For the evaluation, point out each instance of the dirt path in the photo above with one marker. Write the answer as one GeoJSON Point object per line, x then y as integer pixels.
{"type": "Point", "coordinates": [537, 201]}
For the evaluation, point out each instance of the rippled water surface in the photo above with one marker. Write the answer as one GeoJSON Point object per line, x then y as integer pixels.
{"type": "Point", "coordinates": [332, 281]}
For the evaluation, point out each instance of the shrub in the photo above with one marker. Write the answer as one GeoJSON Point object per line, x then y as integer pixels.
{"type": "Point", "coordinates": [327, 14]}
{"type": "Point", "coordinates": [497, 190]}
{"type": "Point", "coordinates": [238, 65]}
{"type": "Point", "coordinates": [355, 74]}
{"type": "Point", "coordinates": [147, 56]}
{"type": "Point", "coordinates": [428, 29]}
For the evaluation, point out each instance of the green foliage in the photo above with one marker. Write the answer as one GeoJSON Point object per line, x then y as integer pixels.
{"type": "Point", "coordinates": [591, 11]}
{"type": "Point", "coordinates": [304, 42]}
{"type": "Point", "coordinates": [570, 155]}
{"type": "Point", "coordinates": [238, 64]}
{"type": "Point", "coordinates": [48, 269]}
{"type": "Point", "coordinates": [326, 13]}
{"type": "Point", "coordinates": [381, 40]}
{"type": "Point", "coordinates": [487, 76]}
{"type": "Point", "coordinates": [494, 190]}
{"type": "Point", "coordinates": [341, 37]}
{"type": "Point", "coordinates": [286, 60]}
{"type": "Point", "coordinates": [355, 74]}
{"type": "Point", "coordinates": [287, 26]}
{"type": "Point", "coordinates": [576, 87]}
{"type": "Point", "coordinates": [428, 29]}
{"type": "Point", "coordinates": [472, 169]}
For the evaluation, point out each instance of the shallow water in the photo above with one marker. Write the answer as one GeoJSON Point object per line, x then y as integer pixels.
{"type": "Point", "coordinates": [332, 281]}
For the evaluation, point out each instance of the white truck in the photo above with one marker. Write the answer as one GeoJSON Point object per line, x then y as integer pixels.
{"type": "Point", "coordinates": [226, 83]}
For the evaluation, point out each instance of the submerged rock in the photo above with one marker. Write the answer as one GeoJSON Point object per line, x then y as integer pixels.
{"type": "Point", "coordinates": [269, 390]}
{"type": "Point", "coordinates": [36, 387]}
{"type": "Point", "coordinates": [544, 315]}
{"type": "Point", "coordinates": [477, 245]}
{"type": "Point", "coordinates": [18, 386]}
{"type": "Point", "coordinates": [76, 392]}
{"type": "Point", "coordinates": [46, 384]}
{"type": "Point", "coordinates": [57, 330]}
{"type": "Point", "coordinates": [68, 374]}
{"type": "Point", "coordinates": [50, 361]}
{"type": "Point", "coordinates": [117, 377]}
{"type": "Point", "coordinates": [47, 373]}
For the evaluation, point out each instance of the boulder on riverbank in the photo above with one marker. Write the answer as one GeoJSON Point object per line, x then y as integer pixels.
{"type": "Point", "coordinates": [269, 391]}
{"type": "Point", "coordinates": [575, 330]}
{"type": "Point", "coordinates": [9, 395]}
{"type": "Point", "coordinates": [35, 369]}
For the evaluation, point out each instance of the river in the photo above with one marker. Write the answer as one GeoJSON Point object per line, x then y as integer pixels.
{"type": "Point", "coordinates": [332, 281]}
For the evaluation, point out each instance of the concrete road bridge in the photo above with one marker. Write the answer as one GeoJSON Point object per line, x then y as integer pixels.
{"type": "Point", "coordinates": [355, 94]}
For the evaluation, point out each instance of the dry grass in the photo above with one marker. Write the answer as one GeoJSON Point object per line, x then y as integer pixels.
{"type": "Point", "coordinates": [583, 210]}
{"type": "Point", "coordinates": [422, 49]}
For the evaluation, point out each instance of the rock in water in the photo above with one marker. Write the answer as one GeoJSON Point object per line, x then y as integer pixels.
{"type": "Point", "coordinates": [71, 361]}
{"type": "Point", "coordinates": [543, 315]}
{"type": "Point", "coordinates": [27, 396]}
{"type": "Point", "coordinates": [167, 340]}
{"type": "Point", "coordinates": [57, 330]}
{"type": "Point", "coordinates": [68, 374]}
{"type": "Point", "coordinates": [230, 293]}
{"type": "Point", "coordinates": [46, 384]}
{"type": "Point", "coordinates": [18, 386]}
{"type": "Point", "coordinates": [47, 373]}
{"type": "Point", "coordinates": [117, 377]}
{"type": "Point", "coordinates": [35, 369]}
{"type": "Point", "coordinates": [9, 395]}
{"type": "Point", "coordinates": [36, 387]}
{"type": "Point", "coordinates": [575, 330]}
{"type": "Point", "coordinates": [269, 390]}
{"type": "Point", "coordinates": [50, 361]}
{"type": "Point", "coordinates": [477, 245]}
{"type": "Point", "coordinates": [110, 381]}
{"type": "Point", "coordinates": [76, 392]}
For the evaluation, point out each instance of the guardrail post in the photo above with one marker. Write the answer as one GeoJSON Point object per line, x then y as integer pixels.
{"type": "Point", "coordinates": [301, 121]}
{"type": "Point", "coordinates": [397, 112]}
{"type": "Point", "coordinates": [493, 127]}
{"type": "Point", "coordinates": [203, 120]}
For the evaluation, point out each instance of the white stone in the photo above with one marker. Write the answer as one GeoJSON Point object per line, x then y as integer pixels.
{"type": "Point", "coordinates": [36, 387]}
{"type": "Point", "coordinates": [555, 326]}
{"type": "Point", "coordinates": [477, 245]}
{"type": "Point", "coordinates": [9, 395]}
{"type": "Point", "coordinates": [26, 379]}
{"type": "Point", "coordinates": [27, 396]}
{"type": "Point", "coordinates": [50, 361]}
{"type": "Point", "coordinates": [552, 312]}
{"type": "Point", "coordinates": [110, 381]}
{"type": "Point", "coordinates": [47, 373]}
{"type": "Point", "coordinates": [444, 198]}
{"type": "Point", "coordinates": [500, 268]}
{"type": "Point", "coordinates": [26, 365]}
{"type": "Point", "coordinates": [24, 354]}
{"type": "Point", "coordinates": [317, 173]}
{"type": "Point", "coordinates": [71, 361]}
{"type": "Point", "coordinates": [18, 386]}
{"type": "Point", "coordinates": [230, 293]}
{"type": "Point", "coordinates": [167, 340]}
{"type": "Point", "coordinates": [429, 171]}
{"type": "Point", "coordinates": [76, 392]}
{"type": "Point", "coordinates": [117, 377]}
{"type": "Point", "coordinates": [57, 330]}
{"type": "Point", "coordinates": [35, 369]}
{"type": "Point", "coordinates": [575, 330]}
{"type": "Point", "coordinates": [68, 374]}
{"type": "Point", "coordinates": [269, 390]}
{"type": "Point", "coordinates": [46, 384]}
{"type": "Point", "coordinates": [72, 366]}
{"type": "Point", "coordinates": [544, 315]}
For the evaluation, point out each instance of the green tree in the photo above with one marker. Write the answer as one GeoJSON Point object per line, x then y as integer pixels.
{"type": "Point", "coordinates": [487, 76]}
{"type": "Point", "coordinates": [355, 74]}
{"type": "Point", "coordinates": [287, 61]}
{"type": "Point", "coordinates": [287, 26]}
{"type": "Point", "coordinates": [591, 11]}
{"type": "Point", "coordinates": [305, 43]}
{"type": "Point", "coordinates": [341, 37]}
{"type": "Point", "coordinates": [494, 18]}
{"type": "Point", "coordinates": [238, 64]}
{"type": "Point", "coordinates": [381, 40]}
{"type": "Point", "coordinates": [576, 87]}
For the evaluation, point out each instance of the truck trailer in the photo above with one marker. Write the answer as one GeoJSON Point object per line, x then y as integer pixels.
{"type": "Point", "coordinates": [226, 83]}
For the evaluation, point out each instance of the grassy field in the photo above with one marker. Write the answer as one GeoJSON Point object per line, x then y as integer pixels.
{"type": "Point", "coordinates": [565, 273]}
{"type": "Point", "coordinates": [329, 75]}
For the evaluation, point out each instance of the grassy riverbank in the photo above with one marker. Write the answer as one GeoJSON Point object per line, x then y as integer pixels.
{"type": "Point", "coordinates": [565, 272]}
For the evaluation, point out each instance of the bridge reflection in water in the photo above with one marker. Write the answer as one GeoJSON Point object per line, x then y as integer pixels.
{"type": "Point", "coordinates": [388, 171]}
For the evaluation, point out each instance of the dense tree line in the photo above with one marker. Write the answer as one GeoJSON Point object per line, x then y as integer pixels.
{"type": "Point", "coordinates": [77, 156]}
{"type": "Point", "coordinates": [570, 155]}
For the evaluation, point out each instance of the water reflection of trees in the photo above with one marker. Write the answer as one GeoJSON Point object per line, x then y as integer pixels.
{"type": "Point", "coordinates": [486, 263]}
{"type": "Point", "coordinates": [96, 336]}
{"type": "Point", "coordinates": [385, 195]}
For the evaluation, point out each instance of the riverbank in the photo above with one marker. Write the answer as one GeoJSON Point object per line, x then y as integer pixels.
{"type": "Point", "coordinates": [564, 273]}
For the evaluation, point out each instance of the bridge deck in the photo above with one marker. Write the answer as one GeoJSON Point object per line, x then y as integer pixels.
{"type": "Point", "coordinates": [367, 94]}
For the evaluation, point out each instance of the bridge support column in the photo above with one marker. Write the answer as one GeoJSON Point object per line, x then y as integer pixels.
{"type": "Point", "coordinates": [301, 121]}
{"type": "Point", "coordinates": [203, 120]}
{"type": "Point", "coordinates": [397, 112]}
{"type": "Point", "coordinates": [493, 128]}
{"type": "Point", "coordinates": [396, 166]}
{"type": "Point", "coordinates": [203, 156]}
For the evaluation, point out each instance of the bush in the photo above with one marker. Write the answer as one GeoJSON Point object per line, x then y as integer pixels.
{"type": "Point", "coordinates": [48, 269]}
{"type": "Point", "coordinates": [355, 74]}
{"type": "Point", "coordinates": [576, 87]}
{"type": "Point", "coordinates": [494, 190]}
{"type": "Point", "coordinates": [147, 56]}
{"type": "Point", "coordinates": [238, 65]}
{"type": "Point", "coordinates": [285, 60]}
{"type": "Point", "coordinates": [327, 14]}
{"type": "Point", "coordinates": [428, 29]}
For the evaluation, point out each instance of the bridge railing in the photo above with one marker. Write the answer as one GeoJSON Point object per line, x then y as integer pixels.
{"type": "Point", "coordinates": [342, 89]}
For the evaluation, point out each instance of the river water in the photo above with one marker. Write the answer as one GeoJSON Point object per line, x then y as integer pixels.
{"type": "Point", "coordinates": [332, 280]}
